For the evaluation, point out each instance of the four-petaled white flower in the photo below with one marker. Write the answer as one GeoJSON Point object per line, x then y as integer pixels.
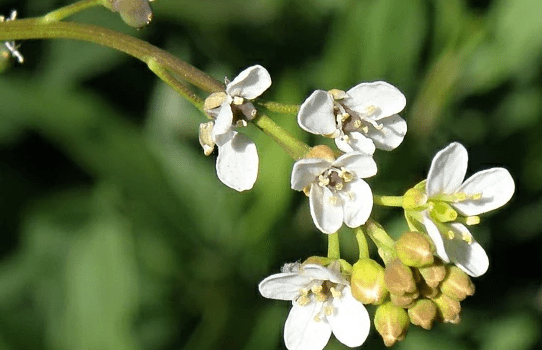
{"type": "Point", "coordinates": [484, 191]}
{"type": "Point", "coordinates": [237, 161]}
{"type": "Point", "coordinates": [336, 190]}
{"type": "Point", "coordinates": [360, 119]}
{"type": "Point", "coordinates": [322, 303]}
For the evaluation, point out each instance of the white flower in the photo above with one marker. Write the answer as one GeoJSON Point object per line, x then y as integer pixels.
{"type": "Point", "coordinates": [237, 162]}
{"type": "Point", "coordinates": [336, 190]}
{"type": "Point", "coordinates": [455, 202]}
{"type": "Point", "coordinates": [10, 45]}
{"type": "Point", "coordinates": [322, 303]}
{"type": "Point", "coordinates": [360, 119]}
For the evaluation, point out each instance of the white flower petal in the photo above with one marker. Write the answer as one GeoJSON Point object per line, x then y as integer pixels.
{"type": "Point", "coordinates": [434, 233]}
{"type": "Point", "coordinates": [237, 163]}
{"type": "Point", "coordinates": [284, 286]}
{"type": "Point", "coordinates": [361, 164]}
{"type": "Point", "coordinates": [350, 321]}
{"type": "Point", "coordinates": [391, 135]}
{"type": "Point", "coordinates": [447, 170]}
{"type": "Point", "coordinates": [471, 258]}
{"type": "Point", "coordinates": [316, 114]}
{"type": "Point", "coordinates": [326, 209]}
{"type": "Point", "coordinates": [357, 199]}
{"type": "Point", "coordinates": [386, 98]}
{"type": "Point", "coordinates": [322, 273]}
{"type": "Point", "coordinates": [250, 83]}
{"type": "Point", "coordinates": [496, 186]}
{"type": "Point", "coordinates": [302, 332]}
{"type": "Point", "coordinates": [356, 142]}
{"type": "Point", "coordinates": [306, 170]}
{"type": "Point", "coordinates": [223, 124]}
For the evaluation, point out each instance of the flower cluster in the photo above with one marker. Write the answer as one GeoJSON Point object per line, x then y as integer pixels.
{"type": "Point", "coordinates": [426, 271]}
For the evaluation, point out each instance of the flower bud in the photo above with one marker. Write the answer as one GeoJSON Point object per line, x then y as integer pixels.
{"type": "Point", "coordinates": [367, 282]}
{"type": "Point", "coordinates": [423, 313]}
{"type": "Point", "coordinates": [457, 284]}
{"type": "Point", "coordinates": [135, 13]}
{"type": "Point", "coordinates": [399, 278]}
{"type": "Point", "coordinates": [5, 58]}
{"type": "Point", "coordinates": [391, 322]}
{"type": "Point", "coordinates": [321, 151]}
{"type": "Point", "coordinates": [426, 290]}
{"type": "Point", "coordinates": [406, 300]}
{"type": "Point", "coordinates": [414, 249]}
{"type": "Point", "coordinates": [206, 137]}
{"type": "Point", "coordinates": [433, 274]}
{"type": "Point", "coordinates": [414, 198]}
{"type": "Point", "coordinates": [448, 309]}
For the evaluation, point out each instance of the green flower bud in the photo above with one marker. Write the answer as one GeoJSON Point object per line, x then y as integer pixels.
{"type": "Point", "coordinates": [5, 58]}
{"type": "Point", "coordinates": [367, 282]}
{"type": "Point", "coordinates": [391, 322]}
{"type": "Point", "coordinates": [448, 309]}
{"type": "Point", "coordinates": [414, 198]}
{"type": "Point", "coordinates": [135, 13]}
{"type": "Point", "coordinates": [433, 274]}
{"type": "Point", "coordinates": [414, 249]}
{"type": "Point", "coordinates": [457, 284]}
{"type": "Point", "coordinates": [406, 300]}
{"type": "Point", "coordinates": [399, 278]}
{"type": "Point", "coordinates": [423, 313]}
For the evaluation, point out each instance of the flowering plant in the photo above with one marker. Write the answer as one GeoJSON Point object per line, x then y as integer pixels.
{"type": "Point", "coordinates": [419, 277]}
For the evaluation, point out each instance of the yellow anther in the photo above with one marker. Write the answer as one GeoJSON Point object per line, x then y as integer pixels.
{"type": "Point", "coordinates": [472, 220]}
{"type": "Point", "coordinates": [316, 289]}
{"type": "Point", "coordinates": [346, 176]}
{"type": "Point", "coordinates": [317, 318]}
{"type": "Point", "coordinates": [467, 237]}
{"type": "Point", "coordinates": [307, 191]}
{"type": "Point", "coordinates": [365, 129]}
{"type": "Point", "coordinates": [476, 196]}
{"type": "Point", "coordinates": [344, 116]}
{"type": "Point", "coordinates": [370, 110]}
{"type": "Point", "coordinates": [357, 124]}
{"type": "Point", "coordinates": [339, 186]}
{"type": "Point", "coordinates": [238, 100]}
{"type": "Point", "coordinates": [323, 180]}
{"type": "Point", "coordinates": [450, 234]}
{"type": "Point", "coordinates": [303, 300]}
{"type": "Point", "coordinates": [335, 293]}
{"type": "Point", "coordinates": [328, 310]}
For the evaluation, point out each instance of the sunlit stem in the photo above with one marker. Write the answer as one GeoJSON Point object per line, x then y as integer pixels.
{"type": "Point", "coordinates": [277, 107]}
{"type": "Point", "coordinates": [388, 201]}
{"type": "Point", "coordinates": [333, 250]}
{"type": "Point", "coordinates": [67, 11]}
{"type": "Point", "coordinates": [385, 244]}
{"type": "Point", "coordinates": [294, 147]}
{"type": "Point", "coordinates": [178, 86]}
{"type": "Point", "coordinates": [362, 243]}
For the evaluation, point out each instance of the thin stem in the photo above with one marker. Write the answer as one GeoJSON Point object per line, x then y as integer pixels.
{"type": "Point", "coordinates": [388, 201]}
{"type": "Point", "coordinates": [277, 107]}
{"type": "Point", "coordinates": [67, 11]}
{"type": "Point", "coordinates": [295, 148]}
{"type": "Point", "coordinates": [333, 250]}
{"type": "Point", "coordinates": [35, 29]}
{"type": "Point", "coordinates": [178, 86]}
{"type": "Point", "coordinates": [385, 244]}
{"type": "Point", "coordinates": [362, 243]}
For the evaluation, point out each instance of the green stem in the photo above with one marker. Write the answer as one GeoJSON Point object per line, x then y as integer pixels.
{"type": "Point", "coordinates": [362, 243]}
{"type": "Point", "coordinates": [294, 147]}
{"type": "Point", "coordinates": [333, 250]}
{"type": "Point", "coordinates": [385, 244]}
{"type": "Point", "coordinates": [35, 29]}
{"type": "Point", "coordinates": [388, 201]}
{"type": "Point", "coordinates": [277, 107]}
{"type": "Point", "coordinates": [178, 86]}
{"type": "Point", "coordinates": [67, 11]}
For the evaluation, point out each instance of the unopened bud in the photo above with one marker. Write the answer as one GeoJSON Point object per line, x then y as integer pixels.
{"type": "Point", "coordinates": [433, 274]}
{"type": "Point", "coordinates": [448, 309]}
{"type": "Point", "coordinates": [5, 58]}
{"type": "Point", "coordinates": [367, 282]}
{"type": "Point", "coordinates": [206, 137]}
{"type": "Point", "coordinates": [406, 300]}
{"type": "Point", "coordinates": [391, 322]}
{"type": "Point", "coordinates": [213, 101]}
{"type": "Point", "coordinates": [414, 249]}
{"type": "Point", "coordinates": [423, 313]}
{"type": "Point", "coordinates": [338, 94]}
{"type": "Point", "coordinates": [426, 290]}
{"type": "Point", "coordinates": [457, 284]}
{"type": "Point", "coordinates": [399, 278]}
{"type": "Point", "coordinates": [321, 151]}
{"type": "Point", "coordinates": [135, 13]}
{"type": "Point", "coordinates": [414, 198]}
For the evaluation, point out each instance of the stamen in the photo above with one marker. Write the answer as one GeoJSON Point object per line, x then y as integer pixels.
{"type": "Point", "coordinates": [372, 122]}
{"type": "Point", "coordinates": [334, 200]}
{"type": "Point", "coordinates": [370, 110]}
{"type": "Point", "coordinates": [472, 220]}
{"type": "Point", "coordinates": [346, 175]}
{"type": "Point", "coordinates": [467, 237]}
{"type": "Point", "coordinates": [241, 123]}
{"type": "Point", "coordinates": [328, 310]}
{"type": "Point", "coordinates": [450, 234]}
{"type": "Point", "coordinates": [335, 292]}
{"type": "Point", "coordinates": [323, 180]}
{"type": "Point", "coordinates": [339, 186]}
{"type": "Point", "coordinates": [238, 100]}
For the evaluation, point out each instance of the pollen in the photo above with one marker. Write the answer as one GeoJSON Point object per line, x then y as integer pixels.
{"type": "Point", "coordinates": [335, 293]}
{"type": "Point", "coordinates": [339, 186]}
{"type": "Point", "coordinates": [238, 100]}
{"type": "Point", "coordinates": [328, 310]}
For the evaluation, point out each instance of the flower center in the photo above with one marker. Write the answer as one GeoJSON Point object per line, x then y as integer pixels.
{"type": "Point", "coordinates": [323, 292]}
{"type": "Point", "coordinates": [335, 178]}
{"type": "Point", "coordinates": [350, 121]}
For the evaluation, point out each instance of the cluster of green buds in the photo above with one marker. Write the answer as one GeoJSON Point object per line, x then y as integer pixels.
{"type": "Point", "coordinates": [414, 287]}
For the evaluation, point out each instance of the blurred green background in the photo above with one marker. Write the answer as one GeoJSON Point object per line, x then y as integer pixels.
{"type": "Point", "coordinates": [116, 233]}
